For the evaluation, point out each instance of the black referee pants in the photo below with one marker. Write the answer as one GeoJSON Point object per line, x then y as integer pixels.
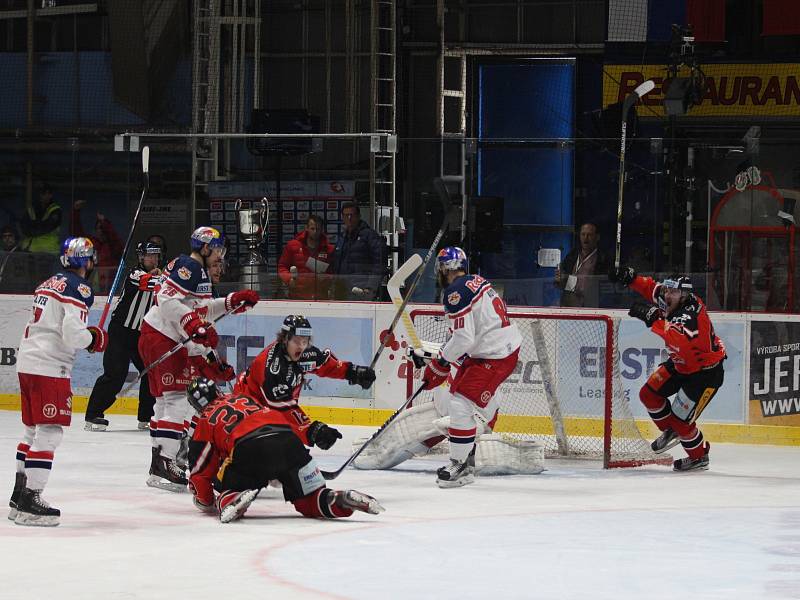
{"type": "Point", "coordinates": [122, 349]}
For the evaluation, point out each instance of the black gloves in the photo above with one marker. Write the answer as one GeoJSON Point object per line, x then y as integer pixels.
{"type": "Point", "coordinates": [623, 275]}
{"type": "Point", "coordinates": [363, 376]}
{"type": "Point", "coordinates": [646, 312]}
{"type": "Point", "coordinates": [322, 436]}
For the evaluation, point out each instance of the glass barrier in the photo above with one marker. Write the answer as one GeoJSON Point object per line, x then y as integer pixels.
{"type": "Point", "coordinates": [531, 213]}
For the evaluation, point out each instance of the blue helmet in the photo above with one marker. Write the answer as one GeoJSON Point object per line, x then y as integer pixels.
{"type": "Point", "coordinates": [451, 258]}
{"type": "Point", "coordinates": [76, 252]}
{"type": "Point", "coordinates": [210, 236]}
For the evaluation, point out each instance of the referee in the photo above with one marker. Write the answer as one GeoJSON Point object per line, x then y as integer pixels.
{"type": "Point", "coordinates": [123, 339]}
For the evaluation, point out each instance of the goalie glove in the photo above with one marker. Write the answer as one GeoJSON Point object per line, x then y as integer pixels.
{"type": "Point", "coordinates": [435, 374]}
{"type": "Point", "coordinates": [422, 356]}
{"type": "Point", "coordinates": [363, 376]}
{"type": "Point", "coordinates": [646, 313]}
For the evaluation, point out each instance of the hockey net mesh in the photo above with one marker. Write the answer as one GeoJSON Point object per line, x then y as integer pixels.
{"type": "Point", "coordinates": [557, 392]}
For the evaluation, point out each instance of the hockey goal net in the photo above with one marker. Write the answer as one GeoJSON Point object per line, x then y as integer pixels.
{"type": "Point", "coordinates": [566, 391]}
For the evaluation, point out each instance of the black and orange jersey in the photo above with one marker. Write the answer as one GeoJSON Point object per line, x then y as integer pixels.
{"type": "Point", "coordinates": [221, 424]}
{"type": "Point", "coordinates": [687, 331]}
{"type": "Point", "coordinates": [275, 380]}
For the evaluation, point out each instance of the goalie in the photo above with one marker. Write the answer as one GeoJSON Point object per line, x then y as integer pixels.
{"type": "Point", "coordinates": [483, 349]}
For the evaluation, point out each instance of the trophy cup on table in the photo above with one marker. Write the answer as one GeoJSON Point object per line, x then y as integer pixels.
{"type": "Point", "coordinates": [253, 227]}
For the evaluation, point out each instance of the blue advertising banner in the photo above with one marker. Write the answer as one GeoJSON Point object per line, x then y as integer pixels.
{"type": "Point", "coordinates": [243, 337]}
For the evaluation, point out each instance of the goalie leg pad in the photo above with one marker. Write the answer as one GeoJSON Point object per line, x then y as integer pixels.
{"type": "Point", "coordinates": [498, 455]}
{"type": "Point", "coordinates": [402, 439]}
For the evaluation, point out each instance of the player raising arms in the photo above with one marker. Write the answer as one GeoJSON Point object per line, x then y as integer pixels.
{"type": "Point", "coordinates": [56, 330]}
{"type": "Point", "coordinates": [275, 377]}
{"type": "Point", "coordinates": [239, 445]}
{"type": "Point", "coordinates": [693, 371]}
{"type": "Point", "coordinates": [488, 343]}
{"type": "Point", "coordinates": [184, 306]}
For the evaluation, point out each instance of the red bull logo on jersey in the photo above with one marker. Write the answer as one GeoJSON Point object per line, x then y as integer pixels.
{"type": "Point", "coordinates": [454, 298]}
{"type": "Point", "coordinates": [184, 273]}
{"type": "Point", "coordinates": [84, 290]}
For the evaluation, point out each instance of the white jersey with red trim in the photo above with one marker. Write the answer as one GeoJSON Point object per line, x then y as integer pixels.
{"type": "Point", "coordinates": [57, 327]}
{"type": "Point", "coordinates": [185, 287]}
{"type": "Point", "coordinates": [478, 321]}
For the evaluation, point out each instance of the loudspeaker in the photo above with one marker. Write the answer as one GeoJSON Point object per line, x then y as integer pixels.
{"type": "Point", "coordinates": [282, 121]}
{"type": "Point", "coordinates": [486, 223]}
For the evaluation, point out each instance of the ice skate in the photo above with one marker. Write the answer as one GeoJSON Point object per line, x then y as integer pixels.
{"type": "Point", "coordinates": [355, 500]}
{"type": "Point", "coordinates": [143, 425]}
{"type": "Point", "coordinates": [96, 424]}
{"type": "Point", "coordinates": [456, 474]}
{"type": "Point", "coordinates": [33, 511]}
{"type": "Point", "coordinates": [668, 439]}
{"type": "Point", "coordinates": [693, 464]}
{"type": "Point", "coordinates": [232, 505]}
{"type": "Point", "coordinates": [165, 474]}
{"type": "Point", "coordinates": [20, 482]}
{"type": "Point", "coordinates": [182, 458]}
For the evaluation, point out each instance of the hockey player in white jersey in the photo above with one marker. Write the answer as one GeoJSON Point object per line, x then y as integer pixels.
{"type": "Point", "coordinates": [55, 332]}
{"type": "Point", "coordinates": [184, 307]}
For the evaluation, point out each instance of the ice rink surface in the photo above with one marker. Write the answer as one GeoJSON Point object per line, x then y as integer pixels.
{"type": "Point", "coordinates": [575, 531]}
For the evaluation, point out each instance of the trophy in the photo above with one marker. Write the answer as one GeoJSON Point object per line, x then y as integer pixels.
{"type": "Point", "coordinates": [253, 228]}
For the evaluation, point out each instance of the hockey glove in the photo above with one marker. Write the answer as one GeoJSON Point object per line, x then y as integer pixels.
{"type": "Point", "coordinates": [199, 331]}
{"type": "Point", "coordinates": [217, 370]}
{"type": "Point", "coordinates": [322, 436]}
{"type": "Point", "coordinates": [363, 376]}
{"type": "Point", "coordinates": [623, 275]}
{"type": "Point", "coordinates": [435, 374]}
{"type": "Point", "coordinates": [647, 313]}
{"type": "Point", "coordinates": [99, 339]}
{"type": "Point", "coordinates": [244, 300]}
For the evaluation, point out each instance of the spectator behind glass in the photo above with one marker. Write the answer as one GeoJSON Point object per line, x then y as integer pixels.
{"type": "Point", "coordinates": [358, 260]}
{"type": "Point", "coordinates": [578, 274]}
{"type": "Point", "coordinates": [305, 261]}
{"type": "Point", "coordinates": [8, 239]}
{"type": "Point", "coordinates": [108, 244]}
{"type": "Point", "coordinates": [41, 223]}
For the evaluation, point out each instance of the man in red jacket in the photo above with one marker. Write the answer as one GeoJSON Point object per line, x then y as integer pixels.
{"type": "Point", "coordinates": [693, 373]}
{"type": "Point", "coordinates": [305, 261]}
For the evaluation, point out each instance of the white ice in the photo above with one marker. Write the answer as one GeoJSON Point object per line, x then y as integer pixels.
{"type": "Point", "coordinates": [573, 532]}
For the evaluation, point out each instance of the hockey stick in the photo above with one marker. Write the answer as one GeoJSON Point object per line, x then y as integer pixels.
{"type": "Point", "coordinates": [328, 475]}
{"type": "Point", "coordinates": [121, 267]}
{"type": "Point", "coordinates": [5, 261]}
{"type": "Point", "coordinates": [393, 287]}
{"type": "Point", "coordinates": [172, 351]}
{"type": "Point", "coordinates": [447, 204]}
{"type": "Point", "coordinates": [630, 100]}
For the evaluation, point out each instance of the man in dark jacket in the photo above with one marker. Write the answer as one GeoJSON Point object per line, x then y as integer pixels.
{"type": "Point", "coordinates": [359, 258]}
{"type": "Point", "coordinates": [579, 273]}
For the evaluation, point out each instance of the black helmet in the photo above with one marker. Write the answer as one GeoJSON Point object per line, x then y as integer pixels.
{"type": "Point", "coordinates": [296, 325]}
{"type": "Point", "coordinates": [201, 392]}
{"type": "Point", "coordinates": [674, 282]}
{"type": "Point", "coordinates": [148, 248]}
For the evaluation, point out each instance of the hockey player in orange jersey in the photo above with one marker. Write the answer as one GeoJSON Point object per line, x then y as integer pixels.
{"type": "Point", "coordinates": [693, 373]}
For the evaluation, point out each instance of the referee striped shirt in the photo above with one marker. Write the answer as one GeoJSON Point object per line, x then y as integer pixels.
{"type": "Point", "coordinates": [136, 299]}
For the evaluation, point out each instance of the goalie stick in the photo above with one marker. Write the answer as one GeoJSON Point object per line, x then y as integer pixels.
{"type": "Point", "coordinates": [121, 267]}
{"type": "Point", "coordinates": [630, 100]}
{"type": "Point", "coordinates": [447, 204]}
{"type": "Point", "coordinates": [328, 475]}
{"type": "Point", "coordinates": [173, 350]}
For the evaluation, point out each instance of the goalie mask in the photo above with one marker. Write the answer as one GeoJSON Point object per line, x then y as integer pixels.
{"type": "Point", "coordinates": [676, 282]}
{"type": "Point", "coordinates": [450, 258]}
{"type": "Point", "coordinates": [201, 392]}
{"type": "Point", "coordinates": [76, 252]}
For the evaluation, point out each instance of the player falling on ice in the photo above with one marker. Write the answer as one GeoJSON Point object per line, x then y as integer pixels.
{"type": "Point", "coordinates": [56, 331]}
{"type": "Point", "coordinates": [183, 307]}
{"type": "Point", "coordinates": [693, 372]}
{"type": "Point", "coordinates": [487, 343]}
{"type": "Point", "coordinates": [275, 377]}
{"type": "Point", "coordinates": [239, 445]}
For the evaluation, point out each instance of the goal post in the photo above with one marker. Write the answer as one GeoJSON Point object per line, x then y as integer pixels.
{"type": "Point", "coordinates": [566, 391]}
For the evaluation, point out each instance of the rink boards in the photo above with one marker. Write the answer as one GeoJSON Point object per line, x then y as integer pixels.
{"type": "Point", "coordinates": [758, 403]}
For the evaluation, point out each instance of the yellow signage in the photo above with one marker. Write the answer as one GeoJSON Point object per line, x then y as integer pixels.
{"type": "Point", "coordinates": [731, 90]}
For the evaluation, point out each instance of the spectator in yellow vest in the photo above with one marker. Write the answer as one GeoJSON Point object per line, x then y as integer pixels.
{"type": "Point", "coordinates": [41, 223]}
